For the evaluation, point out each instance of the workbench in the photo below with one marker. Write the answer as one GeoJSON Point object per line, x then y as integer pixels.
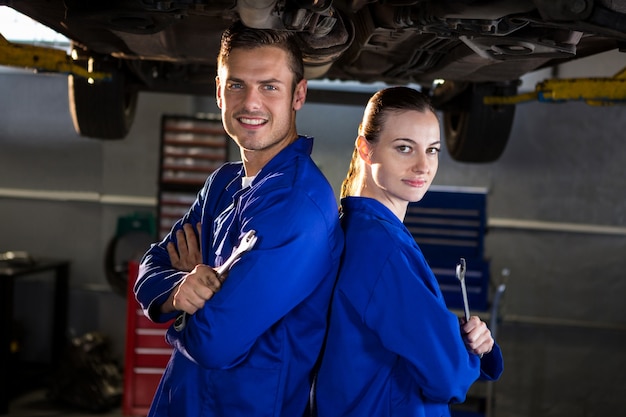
{"type": "Point", "coordinates": [9, 273]}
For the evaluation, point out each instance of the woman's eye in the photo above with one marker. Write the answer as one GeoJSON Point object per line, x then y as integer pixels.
{"type": "Point", "coordinates": [404, 149]}
{"type": "Point", "coordinates": [433, 151]}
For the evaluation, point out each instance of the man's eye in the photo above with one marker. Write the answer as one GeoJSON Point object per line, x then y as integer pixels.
{"type": "Point", "coordinates": [269, 87]}
{"type": "Point", "coordinates": [235, 86]}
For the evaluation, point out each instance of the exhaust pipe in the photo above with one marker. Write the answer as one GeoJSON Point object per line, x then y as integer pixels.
{"type": "Point", "coordinates": [259, 14]}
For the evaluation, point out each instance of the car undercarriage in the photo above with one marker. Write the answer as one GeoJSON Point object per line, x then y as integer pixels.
{"type": "Point", "coordinates": [458, 51]}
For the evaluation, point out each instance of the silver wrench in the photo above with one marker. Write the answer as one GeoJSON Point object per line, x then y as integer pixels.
{"type": "Point", "coordinates": [460, 275]}
{"type": "Point", "coordinates": [247, 242]}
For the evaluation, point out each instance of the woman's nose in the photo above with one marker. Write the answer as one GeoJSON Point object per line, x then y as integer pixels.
{"type": "Point", "coordinates": [420, 164]}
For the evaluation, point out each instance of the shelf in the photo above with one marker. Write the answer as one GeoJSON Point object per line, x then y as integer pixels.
{"type": "Point", "coordinates": [191, 149]}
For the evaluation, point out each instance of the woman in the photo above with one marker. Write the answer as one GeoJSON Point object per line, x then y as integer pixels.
{"type": "Point", "coordinates": [393, 348]}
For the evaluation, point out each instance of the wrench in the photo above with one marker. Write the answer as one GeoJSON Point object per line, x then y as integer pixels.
{"type": "Point", "coordinates": [247, 242]}
{"type": "Point", "coordinates": [460, 275]}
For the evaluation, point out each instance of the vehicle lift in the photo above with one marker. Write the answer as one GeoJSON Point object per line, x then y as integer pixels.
{"type": "Point", "coordinates": [594, 91]}
{"type": "Point", "coordinates": [43, 59]}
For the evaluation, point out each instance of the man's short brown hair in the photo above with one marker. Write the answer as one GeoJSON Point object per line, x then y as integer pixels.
{"type": "Point", "coordinates": [241, 36]}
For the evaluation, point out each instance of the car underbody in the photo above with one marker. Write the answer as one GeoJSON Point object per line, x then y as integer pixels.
{"type": "Point", "coordinates": [477, 48]}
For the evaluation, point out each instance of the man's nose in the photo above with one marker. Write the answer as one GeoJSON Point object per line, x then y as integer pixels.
{"type": "Point", "coordinates": [252, 99]}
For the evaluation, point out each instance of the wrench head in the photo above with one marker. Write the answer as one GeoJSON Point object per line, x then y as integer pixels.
{"type": "Point", "coordinates": [248, 240]}
{"type": "Point", "coordinates": [460, 269]}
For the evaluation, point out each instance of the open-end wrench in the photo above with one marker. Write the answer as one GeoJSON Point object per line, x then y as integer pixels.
{"type": "Point", "coordinates": [460, 275]}
{"type": "Point", "coordinates": [247, 242]}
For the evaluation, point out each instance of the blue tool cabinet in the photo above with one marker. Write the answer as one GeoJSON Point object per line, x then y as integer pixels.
{"type": "Point", "coordinates": [450, 223]}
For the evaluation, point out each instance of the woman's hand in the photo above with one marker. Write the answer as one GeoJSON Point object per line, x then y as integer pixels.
{"type": "Point", "coordinates": [477, 336]}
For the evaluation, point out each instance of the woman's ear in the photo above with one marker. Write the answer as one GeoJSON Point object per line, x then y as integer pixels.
{"type": "Point", "coordinates": [364, 149]}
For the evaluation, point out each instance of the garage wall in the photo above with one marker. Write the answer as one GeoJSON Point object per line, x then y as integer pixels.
{"type": "Point", "coordinates": [563, 170]}
{"type": "Point", "coordinates": [556, 208]}
{"type": "Point", "coordinates": [61, 196]}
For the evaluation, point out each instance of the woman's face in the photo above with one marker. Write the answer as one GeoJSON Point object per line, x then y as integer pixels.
{"type": "Point", "coordinates": [402, 164]}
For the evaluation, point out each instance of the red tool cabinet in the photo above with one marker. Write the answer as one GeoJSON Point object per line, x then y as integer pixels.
{"type": "Point", "coordinates": [146, 354]}
{"type": "Point", "coordinates": [191, 149]}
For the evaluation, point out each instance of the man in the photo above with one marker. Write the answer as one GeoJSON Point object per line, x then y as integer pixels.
{"type": "Point", "coordinates": [250, 342]}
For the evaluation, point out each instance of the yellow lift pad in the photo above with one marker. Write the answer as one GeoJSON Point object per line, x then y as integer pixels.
{"type": "Point", "coordinates": [44, 59]}
{"type": "Point", "coordinates": [594, 91]}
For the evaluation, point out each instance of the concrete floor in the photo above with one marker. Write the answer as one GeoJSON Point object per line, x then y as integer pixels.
{"type": "Point", "coordinates": [561, 371]}
{"type": "Point", "coordinates": [31, 392]}
{"type": "Point", "coordinates": [36, 404]}
{"type": "Point", "coordinates": [550, 371]}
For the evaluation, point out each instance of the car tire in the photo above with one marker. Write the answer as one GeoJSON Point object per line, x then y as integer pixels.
{"type": "Point", "coordinates": [104, 109]}
{"type": "Point", "coordinates": [475, 132]}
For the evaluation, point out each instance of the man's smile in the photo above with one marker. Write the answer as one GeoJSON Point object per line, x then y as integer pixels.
{"type": "Point", "coordinates": [252, 121]}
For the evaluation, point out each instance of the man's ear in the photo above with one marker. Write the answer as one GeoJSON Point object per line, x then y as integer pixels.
{"type": "Point", "coordinates": [218, 92]}
{"type": "Point", "coordinates": [299, 95]}
{"type": "Point", "coordinates": [364, 148]}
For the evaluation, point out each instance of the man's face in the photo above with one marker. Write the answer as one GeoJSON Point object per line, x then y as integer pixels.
{"type": "Point", "coordinates": [258, 102]}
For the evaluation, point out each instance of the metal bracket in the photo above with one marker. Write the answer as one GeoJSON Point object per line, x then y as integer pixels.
{"type": "Point", "coordinates": [593, 91]}
{"type": "Point", "coordinates": [43, 59]}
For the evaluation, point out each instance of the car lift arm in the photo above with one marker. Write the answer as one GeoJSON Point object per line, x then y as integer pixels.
{"type": "Point", "coordinates": [45, 59]}
{"type": "Point", "coordinates": [594, 91]}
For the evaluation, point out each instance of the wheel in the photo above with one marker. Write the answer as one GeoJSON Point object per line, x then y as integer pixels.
{"type": "Point", "coordinates": [120, 250]}
{"type": "Point", "coordinates": [475, 132]}
{"type": "Point", "coordinates": [104, 109]}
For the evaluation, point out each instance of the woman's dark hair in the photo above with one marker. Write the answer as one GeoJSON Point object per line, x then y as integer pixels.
{"type": "Point", "coordinates": [383, 102]}
{"type": "Point", "coordinates": [240, 36]}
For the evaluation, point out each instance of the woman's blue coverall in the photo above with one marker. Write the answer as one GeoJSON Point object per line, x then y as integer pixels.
{"type": "Point", "coordinates": [393, 348]}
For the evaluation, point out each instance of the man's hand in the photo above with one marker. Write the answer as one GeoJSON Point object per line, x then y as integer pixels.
{"type": "Point", "coordinates": [200, 284]}
{"type": "Point", "coordinates": [196, 288]}
{"type": "Point", "coordinates": [477, 336]}
{"type": "Point", "coordinates": [188, 253]}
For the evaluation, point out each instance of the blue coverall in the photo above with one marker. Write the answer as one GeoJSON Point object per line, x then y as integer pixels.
{"type": "Point", "coordinates": [250, 350]}
{"type": "Point", "coordinates": [393, 347]}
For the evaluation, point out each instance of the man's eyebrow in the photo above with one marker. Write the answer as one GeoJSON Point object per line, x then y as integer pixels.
{"type": "Point", "coordinates": [271, 81]}
{"type": "Point", "coordinates": [266, 81]}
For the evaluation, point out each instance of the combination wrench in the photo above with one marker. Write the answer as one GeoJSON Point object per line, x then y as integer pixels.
{"type": "Point", "coordinates": [247, 242]}
{"type": "Point", "coordinates": [460, 275]}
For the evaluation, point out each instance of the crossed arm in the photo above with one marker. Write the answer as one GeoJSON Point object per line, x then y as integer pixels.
{"type": "Point", "coordinates": [200, 283]}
